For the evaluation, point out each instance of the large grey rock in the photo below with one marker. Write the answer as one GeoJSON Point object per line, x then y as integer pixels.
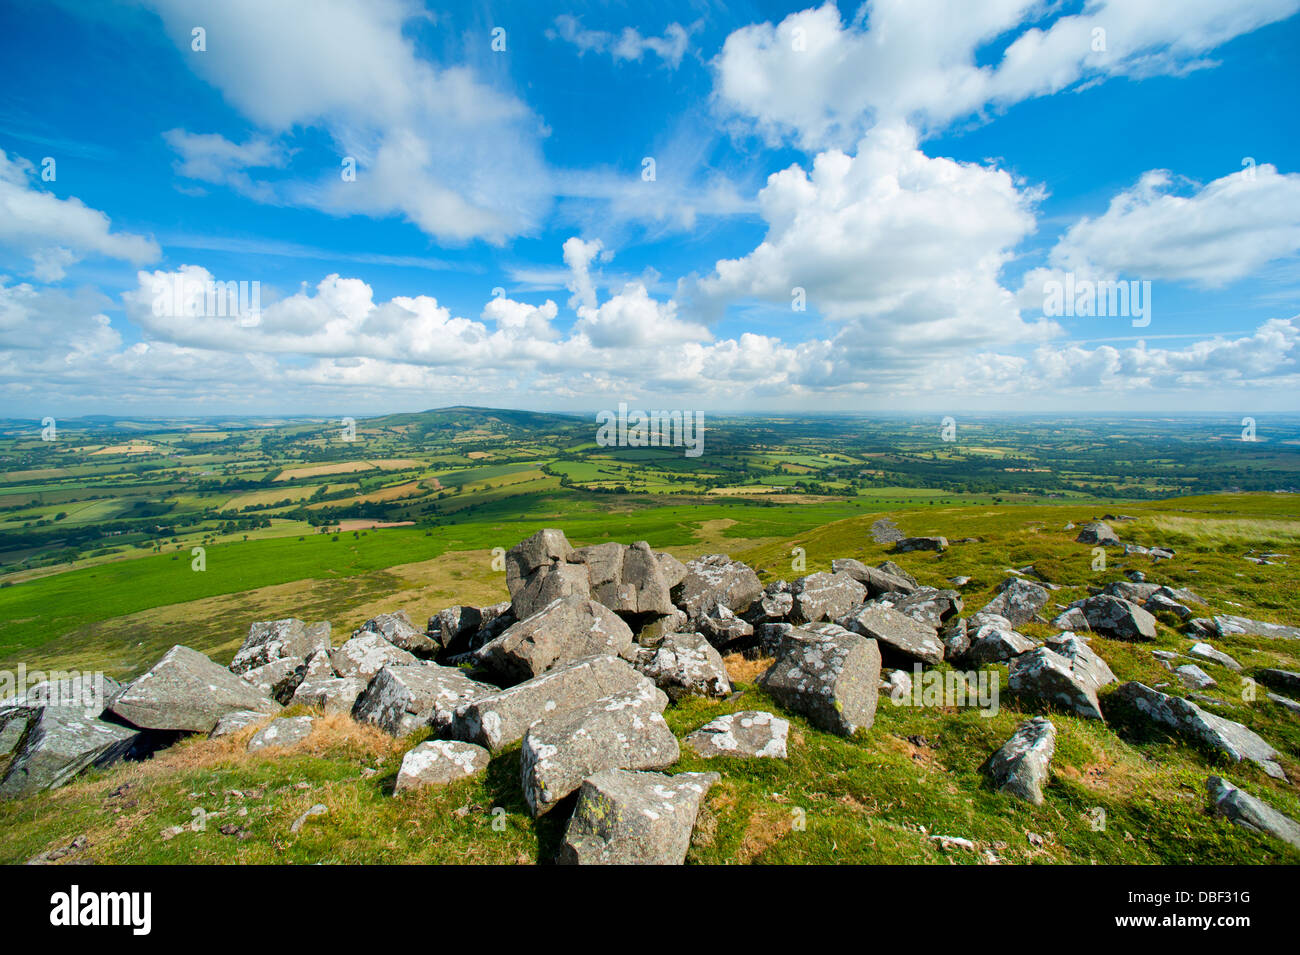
{"type": "Point", "coordinates": [996, 643]}
{"type": "Point", "coordinates": [893, 570]}
{"type": "Point", "coordinates": [876, 581]}
{"type": "Point", "coordinates": [747, 733]}
{"type": "Point", "coordinates": [565, 629]}
{"type": "Point", "coordinates": [453, 627]}
{"type": "Point", "coordinates": [686, 664]}
{"type": "Point", "coordinates": [905, 544]}
{"type": "Point", "coordinates": [439, 763]}
{"type": "Point", "coordinates": [716, 580]}
{"type": "Point", "coordinates": [627, 579]}
{"type": "Point", "coordinates": [500, 719]}
{"type": "Point", "coordinates": [1281, 679]}
{"type": "Point", "coordinates": [1118, 619]}
{"type": "Point", "coordinates": [188, 692]}
{"type": "Point", "coordinates": [619, 732]}
{"type": "Point", "coordinates": [1162, 600]}
{"type": "Point", "coordinates": [232, 723]}
{"type": "Point", "coordinates": [1020, 767]}
{"type": "Point", "coordinates": [277, 679]}
{"type": "Point", "coordinates": [1187, 719]}
{"type": "Point", "coordinates": [631, 818]}
{"type": "Point", "coordinates": [1207, 652]}
{"type": "Point", "coordinates": [87, 693]}
{"type": "Point", "coordinates": [1046, 675]}
{"type": "Point", "coordinates": [823, 596]}
{"type": "Point", "coordinates": [403, 699]}
{"type": "Point", "coordinates": [540, 570]}
{"type": "Point", "coordinates": [1098, 532]}
{"type": "Point", "coordinates": [397, 629]}
{"type": "Point", "coordinates": [366, 654]}
{"type": "Point", "coordinates": [1193, 677]}
{"type": "Point", "coordinates": [927, 605]}
{"type": "Point", "coordinates": [725, 630]}
{"type": "Point", "coordinates": [956, 639]}
{"type": "Point", "coordinates": [1250, 813]}
{"type": "Point", "coordinates": [1073, 620]}
{"type": "Point", "coordinates": [673, 570]}
{"type": "Point", "coordinates": [1018, 600]}
{"type": "Point", "coordinates": [831, 678]}
{"type": "Point", "coordinates": [283, 732]}
{"type": "Point", "coordinates": [332, 694]}
{"type": "Point", "coordinates": [901, 637]}
{"type": "Point", "coordinates": [270, 640]}
{"type": "Point", "coordinates": [1134, 591]}
{"type": "Point", "coordinates": [1228, 625]}
{"type": "Point", "coordinates": [543, 549]}
{"type": "Point", "coordinates": [48, 746]}
{"type": "Point", "coordinates": [1082, 658]}
{"type": "Point", "coordinates": [770, 608]}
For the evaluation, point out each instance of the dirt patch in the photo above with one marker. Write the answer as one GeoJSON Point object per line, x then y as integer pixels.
{"type": "Point", "coordinates": [740, 670]}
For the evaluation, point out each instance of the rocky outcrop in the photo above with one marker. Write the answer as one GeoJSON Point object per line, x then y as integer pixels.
{"type": "Point", "coordinates": [831, 678]}
{"type": "Point", "coordinates": [271, 640]}
{"type": "Point", "coordinates": [620, 732]}
{"type": "Point", "coordinates": [404, 699]}
{"type": "Point", "coordinates": [823, 596]}
{"type": "Point", "coordinates": [566, 629]}
{"type": "Point", "coordinates": [277, 679]}
{"type": "Point", "coordinates": [1020, 767]}
{"type": "Point", "coordinates": [283, 732]}
{"type": "Point", "coordinates": [330, 694]}
{"type": "Point", "coordinates": [901, 638]}
{"type": "Point", "coordinates": [628, 579]}
{"type": "Point", "coordinates": [747, 733]}
{"type": "Point", "coordinates": [397, 629]}
{"type": "Point", "coordinates": [366, 654]}
{"type": "Point", "coordinates": [686, 664]}
{"type": "Point", "coordinates": [1017, 600]}
{"type": "Point", "coordinates": [926, 605]}
{"type": "Point", "coordinates": [996, 643]}
{"type": "Point", "coordinates": [1069, 682]}
{"type": "Point", "coordinates": [186, 691]}
{"type": "Point", "coordinates": [875, 579]}
{"type": "Point", "coordinates": [47, 746]}
{"type": "Point", "coordinates": [716, 580]}
{"type": "Point", "coordinates": [633, 818]}
{"type": "Point", "coordinates": [1117, 618]}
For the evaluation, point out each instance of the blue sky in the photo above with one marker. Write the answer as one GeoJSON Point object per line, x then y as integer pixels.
{"type": "Point", "coordinates": [917, 174]}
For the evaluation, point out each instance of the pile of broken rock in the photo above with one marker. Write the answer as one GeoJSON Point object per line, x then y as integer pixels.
{"type": "Point", "coordinates": [580, 665]}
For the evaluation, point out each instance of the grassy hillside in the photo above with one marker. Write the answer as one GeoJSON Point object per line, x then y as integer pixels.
{"type": "Point", "coordinates": [876, 798]}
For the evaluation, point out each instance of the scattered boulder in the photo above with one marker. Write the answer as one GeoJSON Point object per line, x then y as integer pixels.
{"type": "Point", "coordinates": [877, 580]}
{"type": "Point", "coordinates": [1136, 592]}
{"type": "Point", "coordinates": [568, 628]}
{"type": "Point", "coordinates": [900, 637]}
{"type": "Point", "coordinates": [1017, 600]}
{"type": "Point", "coordinates": [686, 664]}
{"type": "Point", "coordinates": [831, 678]}
{"type": "Point", "coordinates": [277, 679]}
{"type": "Point", "coordinates": [748, 733]}
{"type": "Point", "coordinates": [1046, 675]}
{"type": "Point", "coordinates": [1020, 767]}
{"type": "Point", "coordinates": [995, 643]}
{"type": "Point", "coordinates": [1281, 679]}
{"type": "Point", "coordinates": [397, 629]}
{"type": "Point", "coordinates": [1246, 811]}
{"type": "Point", "coordinates": [232, 723]}
{"type": "Point", "coordinates": [906, 544]}
{"type": "Point", "coordinates": [331, 695]}
{"type": "Point", "coordinates": [284, 731]}
{"type": "Point", "coordinates": [1160, 601]}
{"type": "Point", "coordinates": [716, 580]}
{"type": "Point", "coordinates": [618, 732]}
{"type": "Point", "coordinates": [1194, 678]}
{"type": "Point", "coordinates": [1099, 533]}
{"type": "Point", "coordinates": [188, 692]}
{"type": "Point", "coordinates": [926, 605]}
{"type": "Point", "coordinates": [48, 746]}
{"type": "Point", "coordinates": [1071, 619]}
{"type": "Point", "coordinates": [726, 631]}
{"type": "Point", "coordinates": [823, 596]}
{"type": "Point", "coordinates": [1082, 658]}
{"type": "Point", "coordinates": [438, 763]}
{"type": "Point", "coordinates": [1185, 718]}
{"type": "Point", "coordinates": [498, 720]}
{"type": "Point", "coordinates": [1207, 652]}
{"type": "Point", "coordinates": [632, 818]}
{"type": "Point", "coordinates": [1228, 625]}
{"type": "Point", "coordinates": [1118, 619]}
{"type": "Point", "coordinates": [403, 699]}
{"type": "Point", "coordinates": [366, 654]}
{"type": "Point", "coordinates": [271, 640]}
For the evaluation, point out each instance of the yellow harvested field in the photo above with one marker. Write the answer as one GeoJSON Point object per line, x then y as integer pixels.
{"type": "Point", "coordinates": [135, 447]}
{"type": "Point", "coordinates": [348, 467]}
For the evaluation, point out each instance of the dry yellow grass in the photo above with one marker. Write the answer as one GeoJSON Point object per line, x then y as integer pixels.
{"type": "Point", "coordinates": [348, 467]}
{"type": "Point", "coordinates": [1227, 529]}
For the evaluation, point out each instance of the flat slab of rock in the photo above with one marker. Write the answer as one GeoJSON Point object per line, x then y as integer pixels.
{"type": "Point", "coordinates": [332, 694]}
{"type": "Point", "coordinates": [634, 818]}
{"type": "Point", "coordinates": [1117, 618]}
{"type": "Point", "coordinates": [397, 629]}
{"type": "Point", "coordinates": [1185, 718]}
{"type": "Point", "coordinates": [1021, 766]}
{"type": "Point", "coordinates": [403, 699]}
{"type": "Point", "coordinates": [500, 719]}
{"type": "Point", "coordinates": [833, 678]}
{"type": "Point", "coordinates": [823, 596]}
{"type": "Point", "coordinates": [186, 691]}
{"type": "Point", "coordinates": [716, 580]}
{"type": "Point", "coordinates": [440, 762]}
{"type": "Point", "coordinates": [285, 731]}
{"type": "Point", "coordinates": [271, 640]}
{"type": "Point", "coordinates": [1251, 813]}
{"type": "Point", "coordinates": [48, 746]}
{"type": "Point", "coordinates": [1018, 600]}
{"type": "Point", "coordinates": [686, 664]}
{"type": "Point", "coordinates": [1206, 652]}
{"type": "Point", "coordinates": [565, 629]}
{"type": "Point", "coordinates": [366, 654]}
{"type": "Point", "coordinates": [900, 636]}
{"type": "Point", "coordinates": [876, 581]}
{"type": "Point", "coordinates": [618, 732]}
{"type": "Point", "coordinates": [747, 733]}
{"type": "Point", "coordinates": [1228, 625]}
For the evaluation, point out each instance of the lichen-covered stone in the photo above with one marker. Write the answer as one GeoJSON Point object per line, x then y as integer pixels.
{"type": "Point", "coordinates": [397, 629]}
{"type": "Point", "coordinates": [686, 664]}
{"type": "Point", "coordinates": [1228, 625]}
{"type": "Point", "coordinates": [440, 762]}
{"type": "Point", "coordinates": [823, 596]}
{"type": "Point", "coordinates": [634, 818]}
{"type": "Point", "coordinates": [277, 679]}
{"type": "Point", "coordinates": [876, 580]}
{"type": "Point", "coordinates": [1018, 600]}
{"type": "Point", "coordinates": [331, 695]}
{"type": "Point", "coordinates": [747, 733]}
{"type": "Point", "coordinates": [271, 640]}
{"type": "Point", "coordinates": [366, 654]}
{"type": "Point", "coordinates": [282, 732]}
{"type": "Point", "coordinates": [1021, 766]}
{"type": "Point", "coordinates": [900, 636]}
{"type": "Point", "coordinates": [1117, 618]}
{"type": "Point", "coordinates": [831, 678]}
{"type": "Point", "coordinates": [1251, 813]}
{"type": "Point", "coordinates": [186, 691]}
{"type": "Point", "coordinates": [566, 629]}
{"type": "Point", "coordinates": [48, 746]}
{"type": "Point", "coordinates": [716, 580]}
{"type": "Point", "coordinates": [403, 699]}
